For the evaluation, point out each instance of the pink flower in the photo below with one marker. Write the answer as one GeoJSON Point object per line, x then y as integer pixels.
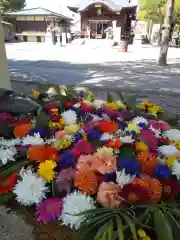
{"type": "Point", "coordinates": [104, 163]}
{"type": "Point", "coordinates": [49, 210]}
{"type": "Point", "coordinates": [90, 125]}
{"type": "Point", "coordinates": [164, 126]}
{"type": "Point", "coordinates": [6, 118]}
{"type": "Point", "coordinates": [85, 161]}
{"type": "Point", "coordinates": [84, 147]}
{"type": "Point", "coordinates": [64, 180]}
{"type": "Point", "coordinates": [60, 134]}
{"type": "Point", "coordinates": [149, 138]}
{"type": "Point", "coordinates": [109, 195]}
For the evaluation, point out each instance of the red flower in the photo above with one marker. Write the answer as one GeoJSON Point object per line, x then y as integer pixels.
{"type": "Point", "coordinates": [68, 104]}
{"type": "Point", "coordinates": [107, 126]}
{"type": "Point", "coordinates": [114, 143]}
{"type": "Point", "coordinates": [84, 147]}
{"type": "Point", "coordinates": [170, 188]}
{"type": "Point", "coordinates": [86, 108]}
{"type": "Point", "coordinates": [7, 183]}
{"type": "Point", "coordinates": [136, 194]}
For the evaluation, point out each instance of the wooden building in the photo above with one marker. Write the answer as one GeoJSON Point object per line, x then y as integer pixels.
{"type": "Point", "coordinates": [98, 15]}
{"type": "Point", "coordinates": [31, 25]}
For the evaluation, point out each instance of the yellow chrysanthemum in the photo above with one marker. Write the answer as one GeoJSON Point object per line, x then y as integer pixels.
{"type": "Point", "coordinates": [46, 170]}
{"type": "Point", "coordinates": [90, 97]}
{"type": "Point", "coordinates": [63, 144]}
{"type": "Point", "coordinates": [177, 144]}
{"type": "Point", "coordinates": [58, 125]}
{"type": "Point", "coordinates": [155, 109]}
{"type": "Point", "coordinates": [133, 127]}
{"type": "Point", "coordinates": [105, 151]}
{"type": "Point", "coordinates": [141, 233]}
{"type": "Point", "coordinates": [84, 135]}
{"type": "Point", "coordinates": [35, 94]}
{"type": "Point", "coordinates": [112, 105]}
{"type": "Point", "coordinates": [72, 128]}
{"type": "Point", "coordinates": [55, 111]}
{"type": "Point", "coordinates": [170, 161]}
{"type": "Point", "coordinates": [141, 147]}
{"type": "Point", "coordinates": [145, 104]}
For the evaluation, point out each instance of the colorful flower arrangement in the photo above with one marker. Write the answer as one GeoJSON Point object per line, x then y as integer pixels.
{"type": "Point", "coordinates": [97, 166]}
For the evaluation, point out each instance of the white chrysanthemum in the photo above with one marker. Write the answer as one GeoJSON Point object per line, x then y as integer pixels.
{"type": "Point", "coordinates": [70, 117]}
{"type": "Point", "coordinates": [157, 132]}
{"type": "Point", "coordinates": [138, 120]}
{"type": "Point", "coordinates": [123, 179]}
{"type": "Point", "coordinates": [168, 150]}
{"type": "Point", "coordinates": [105, 151]}
{"type": "Point", "coordinates": [127, 139]}
{"type": "Point", "coordinates": [172, 134]}
{"type": "Point", "coordinates": [33, 140]}
{"type": "Point", "coordinates": [98, 103]}
{"type": "Point", "coordinates": [31, 189]}
{"type": "Point", "coordinates": [7, 154]}
{"type": "Point", "coordinates": [106, 117]}
{"type": "Point", "coordinates": [51, 141]}
{"type": "Point", "coordinates": [106, 136]}
{"type": "Point", "coordinates": [75, 203]}
{"type": "Point", "coordinates": [176, 169]}
{"type": "Point", "coordinates": [77, 105]}
{"type": "Point", "coordinates": [9, 143]}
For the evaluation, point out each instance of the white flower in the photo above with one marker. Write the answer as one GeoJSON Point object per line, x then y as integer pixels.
{"type": "Point", "coordinates": [98, 103]}
{"type": "Point", "coordinates": [176, 169]}
{"type": "Point", "coordinates": [123, 179]}
{"type": "Point", "coordinates": [138, 120]}
{"type": "Point", "coordinates": [51, 141]}
{"type": "Point", "coordinates": [69, 117]}
{"type": "Point", "coordinates": [9, 143]}
{"type": "Point", "coordinates": [75, 203]}
{"type": "Point", "coordinates": [106, 117]}
{"type": "Point", "coordinates": [33, 140]}
{"type": "Point", "coordinates": [31, 189]}
{"type": "Point", "coordinates": [172, 134]}
{"type": "Point", "coordinates": [96, 117]}
{"type": "Point", "coordinates": [157, 132]}
{"type": "Point", "coordinates": [7, 154]}
{"type": "Point", "coordinates": [105, 151]}
{"type": "Point", "coordinates": [77, 105]}
{"type": "Point", "coordinates": [168, 150]}
{"type": "Point", "coordinates": [106, 136]}
{"type": "Point", "coordinates": [127, 139]}
{"type": "Point", "coordinates": [119, 119]}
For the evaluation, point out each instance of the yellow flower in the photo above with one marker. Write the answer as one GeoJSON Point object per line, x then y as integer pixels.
{"type": "Point", "coordinates": [58, 125]}
{"type": "Point", "coordinates": [155, 109]}
{"type": "Point", "coordinates": [35, 94]}
{"type": "Point", "coordinates": [63, 144]}
{"type": "Point", "coordinates": [72, 128]}
{"type": "Point", "coordinates": [145, 104]}
{"type": "Point", "coordinates": [177, 144]}
{"type": "Point", "coordinates": [141, 147]}
{"type": "Point", "coordinates": [105, 151]}
{"type": "Point", "coordinates": [120, 104]}
{"type": "Point", "coordinates": [141, 233]}
{"type": "Point", "coordinates": [54, 111]}
{"type": "Point", "coordinates": [46, 170]}
{"type": "Point", "coordinates": [170, 161]}
{"type": "Point", "coordinates": [84, 135]}
{"type": "Point", "coordinates": [90, 97]}
{"type": "Point", "coordinates": [133, 127]}
{"type": "Point", "coordinates": [112, 105]}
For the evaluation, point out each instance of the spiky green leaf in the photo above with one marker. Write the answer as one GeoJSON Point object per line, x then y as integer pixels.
{"type": "Point", "coordinates": [120, 228]}
{"type": "Point", "coordinates": [131, 225]}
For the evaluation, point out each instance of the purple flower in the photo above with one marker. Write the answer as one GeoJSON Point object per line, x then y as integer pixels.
{"type": "Point", "coordinates": [94, 135]}
{"type": "Point", "coordinates": [67, 159]}
{"type": "Point", "coordinates": [162, 171]}
{"type": "Point", "coordinates": [130, 165]}
{"type": "Point", "coordinates": [64, 180]}
{"type": "Point", "coordinates": [109, 177]}
{"type": "Point", "coordinates": [6, 118]}
{"type": "Point", "coordinates": [49, 210]}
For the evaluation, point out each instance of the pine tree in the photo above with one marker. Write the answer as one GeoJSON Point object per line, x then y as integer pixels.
{"type": "Point", "coordinates": [11, 5]}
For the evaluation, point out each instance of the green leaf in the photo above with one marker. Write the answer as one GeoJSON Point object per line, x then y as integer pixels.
{"type": "Point", "coordinates": [101, 231]}
{"type": "Point", "coordinates": [131, 226]}
{"type": "Point", "coordinates": [94, 211]}
{"type": "Point", "coordinates": [15, 168]}
{"type": "Point", "coordinates": [120, 228]}
{"type": "Point", "coordinates": [6, 197]}
{"type": "Point", "coordinates": [110, 230]}
{"type": "Point", "coordinates": [110, 99]}
{"type": "Point", "coordinates": [42, 120]}
{"type": "Point", "coordinates": [120, 96]}
{"type": "Point", "coordinates": [173, 219]}
{"type": "Point", "coordinates": [161, 226]}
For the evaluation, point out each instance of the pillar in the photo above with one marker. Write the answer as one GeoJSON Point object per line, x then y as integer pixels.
{"type": "Point", "coordinates": [4, 76]}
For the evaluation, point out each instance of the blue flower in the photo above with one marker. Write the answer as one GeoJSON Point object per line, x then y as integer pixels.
{"type": "Point", "coordinates": [109, 177]}
{"type": "Point", "coordinates": [66, 160]}
{"type": "Point", "coordinates": [142, 125]}
{"type": "Point", "coordinates": [94, 135]}
{"type": "Point", "coordinates": [129, 133]}
{"type": "Point", "coordinates": [163, 171]}
{"type": "Point", "coordinates": [42, 132]}
{"type": "Point", "coordinates": [130, 165]}
{"type": "Point", "coordinates": [78, 137]}
{"type": "Point", "coordinates": [122, 126]}
{"type": "Point", "coordinates": [100, 112]}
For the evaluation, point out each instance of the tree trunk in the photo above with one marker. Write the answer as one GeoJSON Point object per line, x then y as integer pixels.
{"type": "Point", "coordinates": [162, 61]}
{"type": "Point", "coordinates": [4, 77]}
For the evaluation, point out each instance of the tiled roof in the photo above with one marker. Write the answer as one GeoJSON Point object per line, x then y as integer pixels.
{"type": "Point", "coordinates": [37, 12]}
{"type": "Point", "coordinates": [113, 4]}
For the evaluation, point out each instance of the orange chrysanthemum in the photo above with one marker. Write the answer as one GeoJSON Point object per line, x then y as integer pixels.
{"type": "Point", "coordinates": [86, 181]}
{"type": "Point", "coordinates": [41, 153]}
{"type": "Point", "coordinates": [107, 126]}
{"type": "Point", "coordinates": [148, 162]}
{"type": "Point", "coordinates": [22, 130]}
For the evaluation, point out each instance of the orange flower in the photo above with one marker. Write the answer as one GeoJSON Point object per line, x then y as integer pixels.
{"type": "Point", "coordinates": [148, 162]}
{"type": "Point", "coordinates": [22, 130]}
{"type": "Point", "coordinates": [107, 126]}
{"type": "Point", "coordinates": [86, 181]}
{"type": "Point", "coordinates": [84, 161]}
{"type": "Point", "coordinates": [114, 143]}
{"type": "Point", "coordinates": [109, 195]}
{"type": "Point", "coordinates": [104, 164]}
{"type": "Point", "coordinates": [41, 153]}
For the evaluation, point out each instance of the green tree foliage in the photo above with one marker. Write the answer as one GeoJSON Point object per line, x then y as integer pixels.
{"type": "Point", "coordinates": [155, 10]}
{"type": "Point", "coordinates": [11, 5]}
